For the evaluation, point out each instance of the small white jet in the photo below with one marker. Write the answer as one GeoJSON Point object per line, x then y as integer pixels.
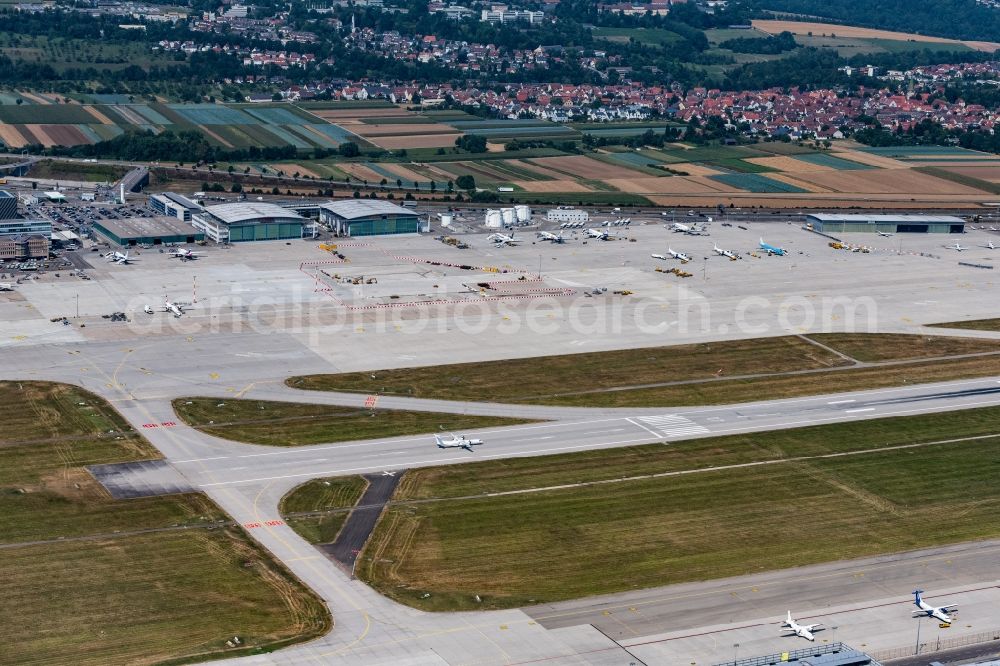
{"type": "Point", "coordinates": [677, 227]}
{"type": "Point", "coordinates": [990, 246]}
{"type": "Point", "coordinates": [956, 246]}
{"type": "Point", "coordinates": [678, 255]}
{"type": "Point", "coordinates": [729, 254]}
{"type": "Point", "coordinates": [176, 309]}
{"type": "Point", "coordinates": [884, 234]}
{"type": "Point", "coordinates": [801, 630]}
{"type": "Point", "coordinates": [926, 610]}
{"type": "Point", "coordinates": [598, 234]}
{"type": "Point", "coordinates": [551, 237]}
{"type": "Point", "coordinates": [501, 240]}
{"type": "Point", "coordinates": [184, 254]}
{"type": "Point", "coordinates": [457, 442]}
{"type": "Point", "coordinates": [6, 286]}
{"type": "Point", "coordinates": [119, 258]}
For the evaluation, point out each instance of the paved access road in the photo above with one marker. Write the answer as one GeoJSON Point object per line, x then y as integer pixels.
{"type": "Point", "coordinates": [248, 482]}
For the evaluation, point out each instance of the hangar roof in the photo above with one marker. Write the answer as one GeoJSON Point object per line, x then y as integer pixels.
{"type": "Point", "coordinates": [355, 209]}
{"type": "Point", "coordinates": [903, 219]}
{"type": "Point", "coordinates": [247, 211]}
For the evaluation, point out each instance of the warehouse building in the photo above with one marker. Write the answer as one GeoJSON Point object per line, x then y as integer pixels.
{"type": "Point", "coordinates": [147, 231]}
{"type": "Point", "coordinates": [567, 215]}
{"type": "Point", "coordinates": [369, 217]}
{"type": "Point", "coordinates": [174, 205]}
{"type": "Point", "coordinates": [893, 224]}
{"type": "Point", "coordinates": [250, 221]}
{"type": "Point", "coordinates": [8, 205]}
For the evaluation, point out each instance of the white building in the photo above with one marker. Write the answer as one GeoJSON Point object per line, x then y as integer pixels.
{"type": "Point", "coordinates": [567, 215]}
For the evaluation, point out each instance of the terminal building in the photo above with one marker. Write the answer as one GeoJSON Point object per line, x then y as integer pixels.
{"type": "Point", "coordinates": [250, 221]}
{"type": "Point", "coordinates": [8, 205]}
{"type": "Point", "coordinates": [147, 231]}
{"type": "Point", "coordinates": [369, 217]}
{"type": "Point", "coordinates": [567, 215]}
{"type": "Point", "coordinates": [169, 204]}
{"type": "Point", "coordinates": [893, 224]}
{"type": "Point", "coordinates": [24, 247]}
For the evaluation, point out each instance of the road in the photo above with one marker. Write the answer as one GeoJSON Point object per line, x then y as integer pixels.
{"type": "Point", "coordinates": [248, 481]}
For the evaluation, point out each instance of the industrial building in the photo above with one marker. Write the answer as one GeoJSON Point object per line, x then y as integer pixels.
{"type": "Point", "coordinates": [24, 247]}
{"type": "Point", "coordinates": [174, 205]}
{"type": "Point", "coordinates": [147, 231]}
{"type": "Point", "coordinates": [250, 221]}
{"type": "Point", "coordinates": [8, 205]}
{"type": "Point", "coordinates": [567, 215]}
{"type": "Point", "coordinates": [18, 227]}
{"type": "Point", "coordinates": [893, 224]}
{"type": "Point", "coordinates": [369, 217]}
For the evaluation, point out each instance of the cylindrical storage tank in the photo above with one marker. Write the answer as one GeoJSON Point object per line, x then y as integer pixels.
{"type": "Point", "coordinates": [494, 219]}
{"type": "Point", "coordinates": [509, 216]}
{"type": "Point", "coordinates": [523, 213]}
{"type": "Point", "coordinates": [446, 219]}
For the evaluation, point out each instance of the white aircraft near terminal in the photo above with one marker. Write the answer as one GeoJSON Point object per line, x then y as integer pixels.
{"type": "Point", "coordinates": [729, 254]}
{"type": "Point", "coordinates": [926, 610]}
{"type": "Point", "coordinates": [802, 630]}
{"type": "Point", "coordinates": [990, 246]}
{"type": "Point", "coordinates": [678, 255]}
{"type": "Point", "coordinates": [956, 246]}
{"type": "Point", "coordinates": [884, 234]}
{"type": "Point", "coordinates": [457, 442]}
{"type": "Point", "coordinates": [502, 239]}
{"type": "Point", "coordinates": [549, 236]}
{"type": "Point", "coordinates": [176, 309]}
{"type": "Point", "coordinates": [184, 254]}
{"type": "Point", "coordinates": [598, 234]}
{"type": "Point", "coordinates": [677, 227]}
{"type": "Point", "coordinates": [119, 258]}
{"type": "Point", "coordinates": [6, 286]}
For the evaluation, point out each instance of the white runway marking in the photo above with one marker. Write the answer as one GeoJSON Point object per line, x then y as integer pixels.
{"type": "Point", "coordinates": [863, 409]}
{"type": "Point", "coordinates": [670, 425]}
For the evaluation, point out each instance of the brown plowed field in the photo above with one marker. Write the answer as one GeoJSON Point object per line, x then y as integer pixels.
{"type": "Point", "coordinates": [894, 181]}
{"type": "Point", "coordinates": [580, 166]}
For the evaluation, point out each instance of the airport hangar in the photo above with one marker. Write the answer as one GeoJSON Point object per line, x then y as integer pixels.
{"type": "Point", "coordinates": [893, 224]}
{"type": "Point", "coordinates": [250, 221]}
{"type": "Point", "coordinates": [147, 231]}
{"type": "Point", "coordinates": [369, 217]}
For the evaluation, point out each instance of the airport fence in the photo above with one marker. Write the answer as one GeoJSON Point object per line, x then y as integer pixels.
{"type": "Point", "coordinates": [936, 645]}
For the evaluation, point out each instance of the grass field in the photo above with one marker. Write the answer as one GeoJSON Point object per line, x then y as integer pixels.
{"type": "Point", "coordinates": [254, 421]}
{"type": "Point", "coordinates": [651, 36]}
{"type": "Point", "coordinates": [94, 173]}
{"type": "Point", "coordinates": [93, 580]}
{"type": "Point", "coordinates": [623, 378]}
{"type": "Point", "coordinates": [972, 324]}
{"type": "Point", "coordinates": [644, 532]}
{"type": "Point", "coordinates": [318, 509]}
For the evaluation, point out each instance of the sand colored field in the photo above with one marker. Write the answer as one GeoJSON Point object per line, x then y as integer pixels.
{"type": "Point", "coordinates": [803, 28]}
{"type": "Point", "coordinates": [407, 174]}
{"type": "Point", "coordinates": [64, 135]}
{"type": "Point", "coordinates": [672, 185]}
{"type": "Point", "coordinates": [129, 115]}
{"type": "Point", "coordinates": [693, 169]}
{"type": "Point", "coordinates": [11, 137]}
{"type": "Point", "coordinates": [399, 129]}
{"type": "Point", "coordinates": [321, 138]}
{"type": "Point", "coordinates": [799, 201]}
{"type": "Point", "coordinates": [552, 186]}
{"type": "Point", "coordinates": [37, 99]}
{"type": "Point", "coordinates": [787, 164]}
{"type": "Point", "coordinates": [798, 182]}
{"type": "Point", "coordinates": [495, 147]}
{"type": "Point", "coordinates": [871, 160]}
{"type": "Point", "coordinates": [580, 166]}
{"type": "Point", "coordinates": [955, 163]}
{"type": "Point", "coordinates": [98, 116]}
{"type": "Point", "coordinates": [43, 136]}
{"type": "Point", "coordinates": [423, 141]}
{"type": "Point", "coordinates": [290, 169]}
{"type": "Point", "coordinates": [355, 114]}
{"type": "Point", "coordinates": [215, 136]}
{"type": "Point", "coordinates": [889, 181]}
{"type": "Point", "coordinates": [360, 172]}
{"type": "Point", "coordinates": [990, 173]}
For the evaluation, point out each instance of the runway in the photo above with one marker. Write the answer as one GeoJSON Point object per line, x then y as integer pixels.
{"type": "Point", "coordinates": [696, 623]}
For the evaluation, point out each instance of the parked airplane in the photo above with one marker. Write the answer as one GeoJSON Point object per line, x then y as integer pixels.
{"type": "Point", "coordinates": [732, 256]}
{"type": "Point", "coordinates": [771, 249]}
{"type": "Point", "coordinates": [6, 286]}
{"type": "Point", "coordinates": [177, 309]}
{"type": "Point", "coordinates": [990, 246]}
{"type": "Point", "coordinates": [884, 234]}
{"type": "Point", "coordinates": [598, 234]}
{"type": "Point", "coordinates": [956, 246]}
{"type": "Point", "coordinates": [119, 258]}
{"type": "Point", "coordinates": [184, 254]}
{"type": "Point", "coordinates": [677, 227]}
{"type": "Point", "coordinates": [802, 630]}
{"type": "Point", "coordinates": [502, 239]}
{"type": "Point", "coordinates": [549, 236]}
{"type": "Point", "coordinates": [926, 610]}
{"type": "Point", "coordinates": [457, 442]}
{"type": "Point", "coordinates": [678, 255]}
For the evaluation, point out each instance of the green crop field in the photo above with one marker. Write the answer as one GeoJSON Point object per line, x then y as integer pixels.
{"type": "Point", "coordinates": [254, 421]}
{"type": "Point", "coordinates": [616, 528]}
{"type": "Point", "coordinates": [972, 324]}
{"type": "Point", "coordinates": [93, 580]}
{"type": "Point", "coordinates": [653, 36]}
{"type": "Point", "coordinates": [752, 182]}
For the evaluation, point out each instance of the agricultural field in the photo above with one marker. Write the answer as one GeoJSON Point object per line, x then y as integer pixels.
{"type": "Point", "coordinates": [164, 579]}
{"type": "Point", "coordinates": [881, 486]}
{"type": "Point", "coordinates": [846, 31]}
{"type": "Point", "coordinates": [650, 36]}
